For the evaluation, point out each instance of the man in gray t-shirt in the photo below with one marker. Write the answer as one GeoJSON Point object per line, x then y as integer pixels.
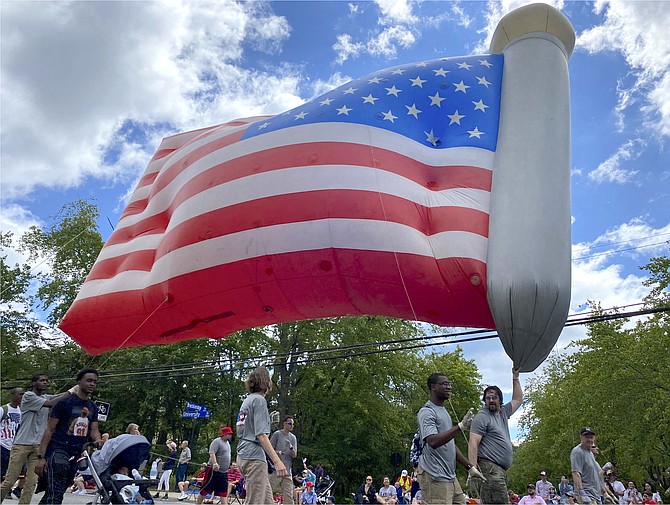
{"type": "Point", "coordinates": [219, 459]}
{"type": "Point", "coordinates": [35, 407]}
{"type": "Point", "coordinates": [286, 445]}
{"type": "Point", "coordinates": [490, 445]}
{"type": "Point", "coordinates": [585, 469]}
{"type": "Point", "coordinates": [437, 464]}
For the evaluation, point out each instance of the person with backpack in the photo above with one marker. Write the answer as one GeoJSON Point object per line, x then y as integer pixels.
{"type": "Point", "coordinates": [436, 470]}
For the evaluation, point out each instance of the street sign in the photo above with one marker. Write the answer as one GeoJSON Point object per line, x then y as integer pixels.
{"type": "Point", "coordinates": [194, 407]}
{"type": "Point", "coordinates": [103, 410]}
{"type": "Point", "coordinates": [190, 414]}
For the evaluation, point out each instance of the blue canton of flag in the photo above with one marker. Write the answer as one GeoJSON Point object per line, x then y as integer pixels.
{"type": "Point", "coordinates": [448, 102]}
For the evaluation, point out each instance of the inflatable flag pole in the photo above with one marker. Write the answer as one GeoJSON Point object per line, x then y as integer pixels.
{"type": "Point", "coordinates": [528, 264]}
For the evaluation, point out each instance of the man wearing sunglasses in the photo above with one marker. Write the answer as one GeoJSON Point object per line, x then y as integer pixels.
{"type": "Point", "coordinates": [532, 498]}
{"type": "Point", "coordinates": [286, 446]}
{"type": "Point", "coordinates": [490, 445]}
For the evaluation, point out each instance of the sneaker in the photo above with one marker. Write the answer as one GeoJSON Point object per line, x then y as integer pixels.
{"type": "Point", "coordinates": [157, 494]}
{"type": "Point", "coordinates": [166, 497]}
{"type": "Point", "coordinates": [182, 497]}
{"type": "Point", "coordinates": [17, 492]}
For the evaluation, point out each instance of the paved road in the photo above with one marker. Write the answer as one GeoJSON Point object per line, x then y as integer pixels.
{"type": "Point", "coordinates": [73, 499]}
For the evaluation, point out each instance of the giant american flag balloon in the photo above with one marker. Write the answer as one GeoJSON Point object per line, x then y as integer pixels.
{"type": "Point", "coordinates": [434, 191]}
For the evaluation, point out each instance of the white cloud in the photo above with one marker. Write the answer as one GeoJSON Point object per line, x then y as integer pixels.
{"type": "Point", "coordinates": [637, 30]}
{"type": "Point", "coordinates": [635, 238]}
{"type": "Point", "coordinates": [398, 29]}
{"type": "Point", "coordinates": [611, 169]}
{"type": "Point", "coordinates": [346, 48]}
{"type": "Point", "coordinates": [463, 19]}
{"type": "Point", "coordinates": [81, 70]}
{"type": "Point", "coordinates": [387, 42]}
{"type": "Point", "coordinates": [17, 220]}
{"type": "Point", "coordinates": [396, 11]}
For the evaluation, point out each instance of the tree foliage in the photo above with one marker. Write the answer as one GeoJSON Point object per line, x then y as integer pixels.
{"type": "Point", "coordinates": [617, 382]}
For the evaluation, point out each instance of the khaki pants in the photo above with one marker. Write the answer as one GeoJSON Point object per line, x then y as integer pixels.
{"type": "Point", "coordinates": [286, 486]}
{"type": "Point", "coordinates": [438, 492]}
{"type": "Point", "coordinates": [21, 455]}
{"type": "Point", "coordinates": [255, 471]}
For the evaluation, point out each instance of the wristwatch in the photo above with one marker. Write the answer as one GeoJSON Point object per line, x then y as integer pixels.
{"type": "Point", "coordinates": [468, 466]}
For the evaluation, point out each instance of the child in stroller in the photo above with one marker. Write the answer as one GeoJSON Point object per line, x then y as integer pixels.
{"type": "Point", "coordinates": [323, 489]}
{"type": "Point", "coordinates": [129, 451]}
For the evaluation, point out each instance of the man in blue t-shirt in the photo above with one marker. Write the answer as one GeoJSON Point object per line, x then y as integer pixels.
{"type": "Point", "coordinates": [73, 421]}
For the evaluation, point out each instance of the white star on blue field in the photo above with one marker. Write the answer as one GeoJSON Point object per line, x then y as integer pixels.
{"type": "Point", "coordinates": [441, 103]}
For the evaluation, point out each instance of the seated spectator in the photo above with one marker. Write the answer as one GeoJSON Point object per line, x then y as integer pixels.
{"type": "Point", "coordinates": [532, 498]}
{"type": "Point", "coordinates": [647, 499]}
{"type": "Point", "coordinates": [133, 429]}
{"type": "Point", "coordinates": [649, 487]}
{"type": "Point", "coordinates": [193, 481]}
{"type": "Point", "coordinates": [553, 498]}
{"type": "Point", "coordinates": [234, 477]}
{"type": "Point", "coordinates": [308, 496]}
{"type": "Point", "coordinates": [415, 486]}
{"type": "Point", "coordinates": [405, 482]}
{"type": "Point", "coordinates": [418, 498]}
{"type": "Point", "coordinates": [366, 493]}
{"type": "Point", "coordinates": [387, 494]}
{"type": "Point", "coordinates": [564, 487]}
{"type": "Point", "coordinates": [513, 497]}
{"type": "Point", "coordinates": [631, 495]}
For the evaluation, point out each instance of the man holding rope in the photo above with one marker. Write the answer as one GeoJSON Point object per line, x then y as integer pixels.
{"type": "Point", "coordinates": [437, 464]}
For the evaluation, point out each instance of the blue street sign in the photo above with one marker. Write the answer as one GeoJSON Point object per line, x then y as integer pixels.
{"type": "Point", "coordinates": [195, 414]}
{"type": "Point", "coordinates": [195, 407]}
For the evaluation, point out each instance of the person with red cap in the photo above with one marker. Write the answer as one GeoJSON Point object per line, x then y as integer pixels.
{"type": "Point", "coordinates": [308, 496]}
{"type": "Point", "coordinates": [219, 459]}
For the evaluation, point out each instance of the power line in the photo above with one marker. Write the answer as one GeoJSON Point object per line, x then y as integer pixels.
{"type": "Point", "coordinates": [616, 251]}
{"type": "Point", "coordinates": [621, 242]}
{"type": "Point", "coordinates": [317, 355]}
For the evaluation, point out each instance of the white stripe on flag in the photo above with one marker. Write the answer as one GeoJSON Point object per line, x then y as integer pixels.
{"type": "Point", "coordinates": [357, 234]}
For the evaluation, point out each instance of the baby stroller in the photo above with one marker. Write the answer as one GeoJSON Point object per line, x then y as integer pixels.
{"type": "Point", "coordinates": [130, 451]}
{"type": "Point", "coordinates": [323, 488]}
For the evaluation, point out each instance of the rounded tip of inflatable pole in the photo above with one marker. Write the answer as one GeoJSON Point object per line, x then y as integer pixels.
{"type": "Point", "coordinates": [533, 18]}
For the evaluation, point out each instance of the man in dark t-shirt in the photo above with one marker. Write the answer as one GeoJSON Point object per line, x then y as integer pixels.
{"type": "Point", "coordinates": [73, 421]}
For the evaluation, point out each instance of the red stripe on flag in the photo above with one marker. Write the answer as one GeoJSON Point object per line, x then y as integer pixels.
{"type": "Point", "coordinates": [166, 176]}
{"type": "Point", "coordinates": [294, 208]}
{"type": "Point", "coordinates": [285, 287]}
{"type": "Point", "coordinates": [434, 178]}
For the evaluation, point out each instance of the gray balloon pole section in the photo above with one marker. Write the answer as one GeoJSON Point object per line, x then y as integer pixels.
{"type": "Point", "coordinates": [529, 247]}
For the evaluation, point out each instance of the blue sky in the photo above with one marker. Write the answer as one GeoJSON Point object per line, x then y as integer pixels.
{"type": "Point", "coordinates": [90, 88]}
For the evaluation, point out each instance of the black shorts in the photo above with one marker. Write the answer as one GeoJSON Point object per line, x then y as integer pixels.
{"type": "Point", "coordinates": [215, 483]}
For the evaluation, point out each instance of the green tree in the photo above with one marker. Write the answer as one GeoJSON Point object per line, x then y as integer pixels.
{"type": "Point", "coordinates": [18, 325]}
{"type": "Point", "coordinates": [69, 248]}
{"type": "Point", "coordinates": [618, 382]}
